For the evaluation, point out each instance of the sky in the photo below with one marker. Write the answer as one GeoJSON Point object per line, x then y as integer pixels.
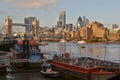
{"type": "Point", "coordinates": [47, 11]}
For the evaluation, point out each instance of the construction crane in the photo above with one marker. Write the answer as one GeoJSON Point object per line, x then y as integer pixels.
{"type": "Point", "coordinates": [2, 29]}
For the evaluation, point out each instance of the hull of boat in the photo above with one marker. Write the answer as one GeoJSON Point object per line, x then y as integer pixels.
{"type": "Point", "coordinates": [71, 75]}
{"type": "Point", "coordinates": [72, 72]}
{"type": "Point", "coordinates": [102, 76]}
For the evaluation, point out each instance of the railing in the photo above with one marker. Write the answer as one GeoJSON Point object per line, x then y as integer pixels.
{"type": "Point", "coordinates": [53, 52]}
{"type": "Point", "coordinates": [26, 60]}
{"type": "Point", "coordinates": [5, 42]}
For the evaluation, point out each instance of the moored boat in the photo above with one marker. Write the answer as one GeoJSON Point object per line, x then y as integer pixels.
{"type": "Point", "coordinates": [82, 46]}
{"type": "Point", "coordinates": [63, 40]}
{"type": "Point", "coordinates": [86, 68]}
{"type": "Point", "coordinates": [80, 42]}
{"type": "Point", "coordinates": [26, 53]}
{"type": "Point", "coordinates": [48, 71]}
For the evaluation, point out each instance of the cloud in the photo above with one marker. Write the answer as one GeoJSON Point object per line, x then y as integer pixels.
{"type": "Point", "coordinates": [6, 0]}
{"type": "Point", "coordinates": [2, 12]}
{"type": "Point", "coordinates": [34, 3]}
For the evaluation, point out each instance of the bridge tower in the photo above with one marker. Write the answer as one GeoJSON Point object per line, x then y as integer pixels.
{"type": "Point", "coordinates": [35, 25]}
{"type": "Point", "coordinates": [8, 26]}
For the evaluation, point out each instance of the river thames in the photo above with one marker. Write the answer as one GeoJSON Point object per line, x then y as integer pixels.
{"type": "Point", "coordinates": [109, 52]}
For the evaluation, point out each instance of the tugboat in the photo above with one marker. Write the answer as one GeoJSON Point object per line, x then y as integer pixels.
{"type": "Point", "coordinates": [48, 71]}
{"type": "Point", "coordinates": [26, 53]}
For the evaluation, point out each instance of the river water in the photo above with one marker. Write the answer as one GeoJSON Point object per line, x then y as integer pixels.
{"type": "Point", "coordinates": [24, 76]}
{"type": "Point", "coordinates": [109, 52]}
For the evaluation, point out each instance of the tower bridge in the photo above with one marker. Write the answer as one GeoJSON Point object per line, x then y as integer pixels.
{"type": "Point", "coordinates": [21, 24]}
{"type": "Point", "coordinates": [9, 24]}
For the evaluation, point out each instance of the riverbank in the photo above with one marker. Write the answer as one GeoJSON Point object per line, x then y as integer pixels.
{"type": "Point", "coordinates": [87, 41]}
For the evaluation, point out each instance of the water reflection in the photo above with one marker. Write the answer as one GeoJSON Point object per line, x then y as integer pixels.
{"type": "Point", "coordinates": [24, 76]}
{"type": "Point", "coordinates": [98, 51]}
{"type": "Point", "coordinates": [10, 77]}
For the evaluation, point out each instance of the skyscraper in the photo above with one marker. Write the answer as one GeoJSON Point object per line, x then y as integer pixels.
{"type": "Point", "coordinates": [69, 27]}
{"type": "Point", "coordinates": [62, 18]}
{"type": "Point", "coordinates": [28, 20]}
{"type": "Point", "coordinates": [79, 23]}
{"type": "Point", "coordinates": [85, 21]}
{"type": "Point", "coordinates": [59, 24]}
{"type": "Point", "coordinates": [82, 22]}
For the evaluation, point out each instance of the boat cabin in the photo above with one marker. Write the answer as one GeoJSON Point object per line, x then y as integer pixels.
{"type": "Point", "coordinates": [27, 49]}
{"type": "Point", "coordinates": [46, 67]}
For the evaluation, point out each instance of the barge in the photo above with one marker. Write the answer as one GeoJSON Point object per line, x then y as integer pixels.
{"type": "Point", "coordinates": [85, 68]}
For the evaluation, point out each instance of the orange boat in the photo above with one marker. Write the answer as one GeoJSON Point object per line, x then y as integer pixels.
{"type": "Point", "coordinates": [85, 68]}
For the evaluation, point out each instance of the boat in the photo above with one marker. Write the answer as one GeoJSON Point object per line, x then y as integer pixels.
{"type": "Point", "coordinates": [63, 40]}
{"type": "Point", "coordinates": [85, 68]}
{"type": "Point", "coordinates": [27, 53]}
{"type": "Point", "coordinates": [82, 46]}
{"type": "Point", "coordinates": [80, 42]}
{"type": "Point", "coordinates": [48, 71]}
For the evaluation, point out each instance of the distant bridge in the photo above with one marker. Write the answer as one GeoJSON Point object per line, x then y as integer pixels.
{"type": "Point", "coordinates": [9, 23]}
{"type": "Point", "coordinates": [21, 24]}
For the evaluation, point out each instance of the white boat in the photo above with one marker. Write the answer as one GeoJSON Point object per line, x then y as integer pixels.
{"type": "Point", "coordinates": [62, 40]}
{"type": "Point", "coordinates": [81, 42]}
{"type": "Point", "coordinates": [48, 72]}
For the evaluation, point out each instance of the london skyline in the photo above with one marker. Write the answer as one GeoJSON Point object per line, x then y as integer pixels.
{"type": "Point", "coordinates": [106, 12]}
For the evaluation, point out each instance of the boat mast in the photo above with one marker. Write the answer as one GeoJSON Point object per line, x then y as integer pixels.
{"type": "Point", "coordinates": [105, 52]}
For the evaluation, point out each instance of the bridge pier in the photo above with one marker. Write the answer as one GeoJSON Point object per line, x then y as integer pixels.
{"type": "Point", "coordinates": [8, 26]}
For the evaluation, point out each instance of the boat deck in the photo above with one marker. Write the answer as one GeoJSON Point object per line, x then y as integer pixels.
{"type": "Point", "coordinates": [90, 63]}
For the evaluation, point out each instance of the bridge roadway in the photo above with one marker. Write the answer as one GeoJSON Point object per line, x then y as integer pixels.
{"type": "Point", "coordinates": [21, 24]}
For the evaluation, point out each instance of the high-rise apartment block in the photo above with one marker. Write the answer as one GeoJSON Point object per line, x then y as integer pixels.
{"type": "Point", "coordinates": [69, 27]}
{"type": "Point", "coordinates": [59, 24]}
